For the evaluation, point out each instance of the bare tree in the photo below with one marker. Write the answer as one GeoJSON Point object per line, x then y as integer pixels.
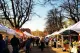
{"type": "Point", "coordinates": [17, 12]}
{"type": "Point", "coordinates": [51, 2]}
{"type": "Point", "coordinates": [72, 9]}
{"type": "Point", "coordinates": [54, 20]}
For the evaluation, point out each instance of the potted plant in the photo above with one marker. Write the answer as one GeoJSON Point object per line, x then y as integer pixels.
{"type": "Point", "coordinates": [66, 44]}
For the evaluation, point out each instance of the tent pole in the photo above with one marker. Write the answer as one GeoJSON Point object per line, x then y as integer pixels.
{"type": "Point", "coordinates": [62, 41]}
{"type": "Point", "coordinates": [70, 39]}
{"type": "Point", "coordinates": [57, 42]}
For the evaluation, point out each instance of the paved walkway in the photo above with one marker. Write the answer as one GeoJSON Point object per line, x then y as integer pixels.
{"type": "Point", "coordinates": [37, 50]}
{"type": "Point", "coordinates": [46, 50]}
{"type": "Point", "coordinates": [58, 50]}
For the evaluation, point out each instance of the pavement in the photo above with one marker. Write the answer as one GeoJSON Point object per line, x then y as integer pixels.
{"type": "Point", "coordinates": [58, 50]}
{"type": "Point", "coordinates": [35, 49]}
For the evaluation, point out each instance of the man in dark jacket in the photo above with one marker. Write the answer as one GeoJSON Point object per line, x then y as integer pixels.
{"type": "Point", "coordinates": [28, 44]}
{"type": "Point", "coordinates": [15, 44]}
{"type": "Point", "coordinates": [2, 44]}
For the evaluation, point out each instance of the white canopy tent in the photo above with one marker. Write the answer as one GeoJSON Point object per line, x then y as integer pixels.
{"type": "Point", "coordinates": [62, 30]}
{"type": "Point", "coordinates": [2, 28]}
{"type": "Point", "coordinates": [52, 34]}
{"type": "Point", "coordinates": [7, 30]}
{"type": "Point", "coordinates": [28, 34]}
{"type": "Point", "coordinates": [55, 33]}
{"type": "Point", "coordinates": [75, 27]}
{"type": "Point", "coordinates": [11, 31]}
{"type": "Point", "coordinates": [48, 35]}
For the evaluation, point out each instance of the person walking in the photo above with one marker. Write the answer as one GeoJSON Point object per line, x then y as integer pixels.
{"type": "Point", "coordinates": [32, 39]}
{"type": "Point", "coordinates": [6, 41]}
{"type": "Point", "coordinates": [47, 41]}
{"type": "Point", "coordinates": [37, 41]}
{"type": "Point", "coordinates": [28, 44]}
{"type": "Point", "coordinates": [2, 44]}
{"type": "Point", "coordinates": [15, 44]}
{"type": "Point", "coordinates": [55, 42]}
{"type": "Point", "coordinates": [42, 44]}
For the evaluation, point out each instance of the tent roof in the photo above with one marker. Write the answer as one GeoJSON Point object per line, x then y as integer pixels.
{"type": "Point", "coordinates": [67, 32]}
{"type": "Point", "coordinates": [28, 34]}
{"type": "Point", "coordinates": [7, 30]}
{"type": "Point", "coordinates": [76, 27]}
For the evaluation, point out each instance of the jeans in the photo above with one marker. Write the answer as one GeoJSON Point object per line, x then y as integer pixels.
{"type": "Point", "coordinates": [15, 49]}
{"type": "Point", "coordinates": [27, 49]}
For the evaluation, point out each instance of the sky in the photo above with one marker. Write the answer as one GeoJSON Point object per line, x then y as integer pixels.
{"type": "Point", "coordinates": [38, 23]}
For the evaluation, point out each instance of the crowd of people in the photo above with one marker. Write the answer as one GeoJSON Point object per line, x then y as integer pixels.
{"type": "Point", "coordinates": [15, 44]}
